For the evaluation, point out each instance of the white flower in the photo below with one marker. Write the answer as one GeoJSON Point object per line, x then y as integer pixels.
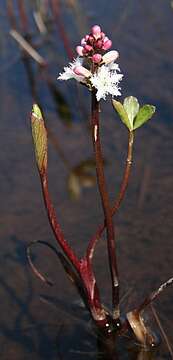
{"type": "Point", "coordinates": [69, 71]}
{"type": "Point", "coordinates": [106, 80]}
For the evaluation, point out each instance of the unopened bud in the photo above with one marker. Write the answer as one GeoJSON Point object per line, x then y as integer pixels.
{"type": "Point", "coordinates": [110, 56]}
{"type": "Point", "coordinates": [106, 39]}
{"type": "Point", "coordinates": [102, 35]}
{"type": "Point", "coordinates": [39, 135]}
{"type": "Point", "coordinates": [99, 44]}
{"type": "Point", "coordinates": [82, 71]}
{"type": "Point", "coordinates": [88, 48]}
{"type": "Point", "coordinates": [79, 50]}
{"type": "Point", "coordinates": [91, 39]}
{"type": "Point", "coordinates": [96, 30]}
{"type": "Point", "coordinates": [96, 58]}
{"type": "Point", "coordinates": [107, 45]}
{"type": "Point", "coordinates": [83, 41]}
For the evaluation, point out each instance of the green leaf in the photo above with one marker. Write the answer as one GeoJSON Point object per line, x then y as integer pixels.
{"type": "Point", "coordinates": [122, 113]}
{"type": "Point", "coordinates": [145, 113]}
{"type": "Point", "coordinates": [39, 135]}
{"type": "Point", "coordinates": [131, 107]}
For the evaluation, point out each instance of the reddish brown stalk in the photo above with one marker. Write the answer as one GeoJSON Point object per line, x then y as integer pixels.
{"type": "Point", "coordinates": [55, 5]}
{"type": "Point", "coordinates": [54, 223]}
{"type": "Point", "coordinates": [124, 184]}
{"type": "Point", "coordinates": [82, 266]}
{"type": "Point", "coordinates": [93, 296]}
{"type": "Point", "coordinates": [105, 204]}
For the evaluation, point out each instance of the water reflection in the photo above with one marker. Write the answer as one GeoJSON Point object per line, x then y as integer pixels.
{"type": "Point", "coordinates": [24, 335]}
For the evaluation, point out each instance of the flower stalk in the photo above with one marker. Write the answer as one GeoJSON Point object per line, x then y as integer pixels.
{"type": "Point", "coordinates": [95, 126]}
{"type": "Point", "coordinates": [123, 187]}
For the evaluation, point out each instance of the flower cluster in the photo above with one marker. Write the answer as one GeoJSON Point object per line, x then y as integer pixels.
{"type": "Point", "coordinates": [100, 71]}
{"type": "Point", "coordinates": [106, 81]}
{"type": "Point", "coordinates": [94, 44]}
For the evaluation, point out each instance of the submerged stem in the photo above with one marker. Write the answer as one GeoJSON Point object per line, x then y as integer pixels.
{"type": "Point", "coordinates": [105, 204]}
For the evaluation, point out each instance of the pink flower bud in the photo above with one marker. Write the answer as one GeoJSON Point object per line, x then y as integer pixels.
{"type": "Point", "coordinates": [107, 45]}
{"type": "Point", "coordinates": [106, 39]}
{"type": "Point", "coordinates": [91, 39]}
{"type": "Point", "coordinates": [102, 35]}
{"type": "Point", "coordinates": [82, 71]}
{"type": "Point", "coordinates": [88, 48]}
{"type": "Point", "coordinates": [96, 58]}
{"type": "Point", "coordinates": [110, 56]}
{"type": "Point", "coordinates": [84, 52]}
{"type": "Point", "coordinates": [86, 37]}
{"type": "Point", "coordinates": [79, 50]}
{"type": "Point", "coordinates": [99, 44]}
{"type": "Point", "coordinates": [83, 41]}
{"type": "Point", "coordinates": [96, 30]}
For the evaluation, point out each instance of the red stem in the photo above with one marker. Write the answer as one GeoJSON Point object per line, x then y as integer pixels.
{"type": "Point", "coordinates": [115, 208]}
{"type": "Point", "coordinates": [105, 204]}
{"type": "Point", "coordinates": [83, 267]}
{"type": "Point", "coordinates": [55, 225]}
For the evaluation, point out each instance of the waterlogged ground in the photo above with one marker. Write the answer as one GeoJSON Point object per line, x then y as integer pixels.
{"type": "Point", "coordinates": [37, 321]}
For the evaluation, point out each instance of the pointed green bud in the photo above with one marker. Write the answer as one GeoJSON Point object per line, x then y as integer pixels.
{"type": "Point", "coordinates": [39, 135]}
{"type": "Point", "coordinates": [122, 113]}
{"type": "Point", "coordinates": [145, 113]}
{"type": "Point", "coordinates": [131, 107]}
{"type": "Point", "coordinates": [36, 111]}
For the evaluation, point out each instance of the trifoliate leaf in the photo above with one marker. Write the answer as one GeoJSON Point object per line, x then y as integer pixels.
{"type": "Point", "coordinates": [122, 113]}
{"type": "Point", "coordinates": [131, 107]}
{"type": "Point", "coordinates": [39, 135]}
{"type": "Point", "coordinates": [145, 113]}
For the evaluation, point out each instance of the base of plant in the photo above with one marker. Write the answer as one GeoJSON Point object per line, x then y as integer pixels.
{"type": "Point", "coordinates": [133, 325]}
{"type": "Point", "coordinates": [119, 338]}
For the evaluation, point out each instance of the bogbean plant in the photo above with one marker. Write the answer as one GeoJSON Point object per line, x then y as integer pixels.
{"type": "Point", "coordinates": [96, 68]}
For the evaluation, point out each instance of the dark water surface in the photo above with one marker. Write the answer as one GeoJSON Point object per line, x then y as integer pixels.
{"type": "Point", "coordinates": [49, 323]}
